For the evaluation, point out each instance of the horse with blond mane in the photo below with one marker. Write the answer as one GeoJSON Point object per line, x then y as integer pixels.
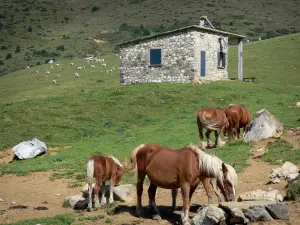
{"type": "Point", "coordinates": [102, 168]}
{"type": "Point", "coordinates": [213, 120]}
{"type": "Point", "coordinates": [170, 169]}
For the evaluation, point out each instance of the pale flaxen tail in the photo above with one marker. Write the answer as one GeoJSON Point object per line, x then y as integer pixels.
{"type": "Point", "coordinates": [90, 172]}
{"type": "Point", "coordinates": [133, 167]}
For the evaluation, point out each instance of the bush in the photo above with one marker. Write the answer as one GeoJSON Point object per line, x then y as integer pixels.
{"type": "Point", "coordinates": [271, 34]}
{"type": "Point", "coordinates": [18, 49]}
{"type": "Point", "coordinates": [1, 62]}
{"type": "Point", "coordinates": [3, 47]}
{"type": "Point", "coordinates": [29, 29]}
{"type": "Point", "coordinates": [38, 63]}
{"type": "Point", "coordinates": [283, 31]}
{"type": "Point", "coordinates": [293, 191]}
{"type": "Point", "coordinates": [95, 8]}
{"type": "Point", "coordinates": [60, 48]}
{"type": "Point", "coordinates": [8, 56]}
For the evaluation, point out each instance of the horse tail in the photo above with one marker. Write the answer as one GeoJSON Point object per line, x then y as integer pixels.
{"type": "Point", "coordinates": [90, 171]}
{"type": "Point", "coordinates": [133, 167]}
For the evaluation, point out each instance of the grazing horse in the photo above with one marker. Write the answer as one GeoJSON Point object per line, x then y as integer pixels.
{"type": "Point", "coordinates": [170, 169]}
{"type": "Point", "coordinates": [212, 119]}
{"type": "Point", "coordinates": [211, 184]}
{"type": "Point", "coordinates": [239, 118]}
{"type": "Point", "coordinates": [102, 168]}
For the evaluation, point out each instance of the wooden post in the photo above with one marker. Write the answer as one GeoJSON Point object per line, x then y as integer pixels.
{"type": "Point", "coordinates": [240, 59]}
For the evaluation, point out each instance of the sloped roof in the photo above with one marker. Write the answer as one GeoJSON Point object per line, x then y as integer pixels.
{"type": "Point", "coordinates": [193, 27]}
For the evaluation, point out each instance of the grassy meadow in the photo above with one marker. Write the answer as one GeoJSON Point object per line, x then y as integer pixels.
{"type": "Point", "coordinates": [34, 31]}
{"type": "Point", "coordinates": [95, 115]}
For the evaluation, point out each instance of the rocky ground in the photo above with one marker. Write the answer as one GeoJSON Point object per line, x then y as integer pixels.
{"type": "Point", "coordinates": [36, 190]}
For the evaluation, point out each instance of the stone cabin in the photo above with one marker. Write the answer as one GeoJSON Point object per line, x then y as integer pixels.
{"type": "Point", "coordinates": [193, 53]}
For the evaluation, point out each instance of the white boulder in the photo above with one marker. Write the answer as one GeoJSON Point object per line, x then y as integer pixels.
{"type": "Point", "coordinates": [263, 125]}
{"type": "Point", "coordinates": [29, 149]}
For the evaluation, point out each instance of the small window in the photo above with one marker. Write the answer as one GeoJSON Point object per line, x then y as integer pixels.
{"type": "Point", "coordinates": [155, 57]}
{"type": "Point", "coordinates": [221, 60]}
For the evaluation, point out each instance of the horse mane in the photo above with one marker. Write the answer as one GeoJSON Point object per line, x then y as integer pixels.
{"type": "Point", "coordinates": [211, 165]}
{"type": "Point", "coordinates": [116, 161]}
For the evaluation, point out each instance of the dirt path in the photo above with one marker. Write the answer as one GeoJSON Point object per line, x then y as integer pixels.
{"type": "Point", "coordinates": [36, 189]}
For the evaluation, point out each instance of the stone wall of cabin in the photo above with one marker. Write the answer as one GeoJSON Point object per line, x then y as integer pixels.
{"type": "Point", "coordinates": [180, 54]}
{"type": "Point", "coordinates": [177, 53]}
{"type": "Point", "coordinates": [211, 45]}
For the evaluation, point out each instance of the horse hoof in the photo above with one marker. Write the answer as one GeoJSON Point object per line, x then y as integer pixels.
{"type": "Point", "coordinates": [156, 217]}
{"type": "Point", "coordinates": [89, 209]}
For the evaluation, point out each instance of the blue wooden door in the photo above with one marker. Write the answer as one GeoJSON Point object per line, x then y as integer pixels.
{"type": "Point", "coordinates": [203, 63]}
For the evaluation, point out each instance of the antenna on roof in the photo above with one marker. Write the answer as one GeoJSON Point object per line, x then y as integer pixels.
{"type": "Point", "coordinates": [204, 22]}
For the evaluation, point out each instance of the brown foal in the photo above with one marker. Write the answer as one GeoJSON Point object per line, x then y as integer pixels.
{"type": "Point", "coordinates": [102, 168]}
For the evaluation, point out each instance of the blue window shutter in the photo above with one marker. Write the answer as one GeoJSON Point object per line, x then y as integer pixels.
{"type": "Point", "coordinates": [219, 58]}
{"type": "Point", "coordinates": [224, 60]}
{"type": "Point", "coordinates": [203, 63]}
{"type": "Point", "coordinates": [155, 56]}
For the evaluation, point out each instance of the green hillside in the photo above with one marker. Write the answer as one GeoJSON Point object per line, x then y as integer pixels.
{"type": "Point", "coordinates": [94, 114]}
{"type": "Point", "coordinates": [34, 31]}
{"type": "Point", "coordinates": [271, 61]}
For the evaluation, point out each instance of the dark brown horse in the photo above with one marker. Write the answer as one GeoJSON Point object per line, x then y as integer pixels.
{"type": "Point", "coordinates": [170, 169]}
{"type": "Point", "coordinates": [102, 168]}
{"type": "Point", "coordinates": [212, 119]}
{"type": "Point", "coordinates": [238, 117]}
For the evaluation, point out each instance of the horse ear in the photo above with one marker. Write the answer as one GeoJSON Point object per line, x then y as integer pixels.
{"type": "Point", "coordinates": [233, 165]}
{"type": "Point", "coordinates": [224, 168]}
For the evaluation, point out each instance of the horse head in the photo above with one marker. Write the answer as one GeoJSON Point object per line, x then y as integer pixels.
{"type": "Point", "coordinates": [228, 187]}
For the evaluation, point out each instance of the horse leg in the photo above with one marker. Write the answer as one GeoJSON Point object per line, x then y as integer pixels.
{"type": "Point", "coordinates": [207, 138]}
{"type": "Point", "coordinates": [207, 187]}
{"type": "Point", "coordinates": [213, 185]}
{"type": "Point", "coordinates": [96, 192]}
{"type": "Point", "coordinates": [192, 190]}
{"type": "Point", "coordinates": [174, 195]}
{"type": "Point", "coordinates": [218, 139]}
{"type": "Point", "coordinates": [111, 194]}
{"type": "Point", "coordinates": [90, 205]}
{"type": "Point", "coordinates": [201, 137]}
{"type": "Point", "coordinates": [103, 190]}
{"type": "Point", "coordinates": [185, 190]}
{"type": "Point", "coordinates": [139, 192]}
{"type": "Point", "coordinates": [151, 193]}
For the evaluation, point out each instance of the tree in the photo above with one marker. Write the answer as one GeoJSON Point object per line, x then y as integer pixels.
{"type": "Point", "coordinates": [18, 49]}
{"type": "Point", "coordinates": [29, 29]}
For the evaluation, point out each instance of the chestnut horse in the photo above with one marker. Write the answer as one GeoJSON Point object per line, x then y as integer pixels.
{"type": "Point", "coordinates": [170, 169]}
{"type": "Point", "coordinates": [212, 119]}
{"type": "Point", "coordinates": [239, 118]}
{"type": "Point", "coordinates": [102, 168]}
{"type": "Point", "coordinates": [210, 185]}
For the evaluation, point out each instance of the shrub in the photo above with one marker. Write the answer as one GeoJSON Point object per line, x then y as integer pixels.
{"type": "Point", "coordinates": [60, 48]}
{"type": "Point", "coordinates": [293, 191]}
{"type": "Point", "coordinates": [271, 34]}
{"type": "Point", "coordinates": [29, 29]}
{"type": "Point", "coordinates": [3, 47]}
{"type": "Point", "coordinates": [18, 49]}
{"type": "Point", "coordinates": [8, 56]}
{"type": "Point", "coordinates": [95, 8]}
{"type": "Point", "coordinates": [283, 31]}
{"type": "Point", "coordinates": [1, 62]}
{"type": "Point", "coordinates": [38, 63]}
